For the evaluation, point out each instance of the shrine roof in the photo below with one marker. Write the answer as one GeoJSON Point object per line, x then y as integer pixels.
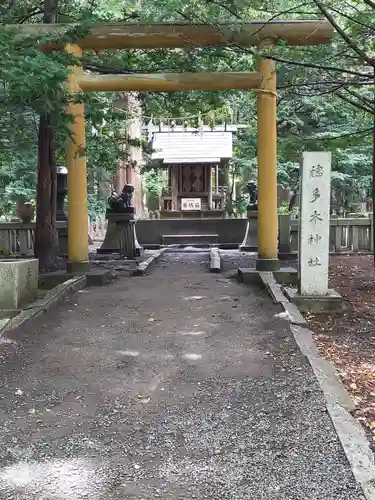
{"type": "Point", "coordinates": [192, 146]}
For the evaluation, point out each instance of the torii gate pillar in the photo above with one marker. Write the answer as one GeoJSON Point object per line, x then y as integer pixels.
{"type": "Point", "coordinates": [78, 256]}
{"type": "Point", "coordinates": [267, 168]}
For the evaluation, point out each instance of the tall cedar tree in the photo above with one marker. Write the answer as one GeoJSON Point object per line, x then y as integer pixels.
{"type": "Point", "coordinates": [46, 238]}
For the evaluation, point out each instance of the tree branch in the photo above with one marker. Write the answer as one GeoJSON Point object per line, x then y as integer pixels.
{"type": "Point", "coordinates": [343, 35]}
{"type": "Point", "coordinates": [323, 92]}
{"type": "Point", "coordinates": [366, 131]}
{"type": "Point", "coordinates": [367, 26]}
{"type": "Point", "coordinates": [318, 66]}
{"type": "Point", "coordinates": [30, 13]}
{"type": "Point", "coordinates": [352, 6]}
{"type": "Point", "coordinates": [347, 53]}
{"type": "Point", "coordinates": [305, 64]}
{"type": "Point", "coordinates": [364, 99]}
{"type": "Point", "coordinates": [343, 83]}
{"type": "Point", "coordinates": [295, 110]}
{"type": "Point", "coordinates": [305, 13]}
{"type": "Point", "coordinates": [228, 9]}
{"type": "Point", "coordinates": [353, 103]}
{"type": "Point", "coordinates": [278, 14]}
{"type": "Point", "coordinates": [283, 61]}
{"type": "Point", "coordinates": [29, 16]}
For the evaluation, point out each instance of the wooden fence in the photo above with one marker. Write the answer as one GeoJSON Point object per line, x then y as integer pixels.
{"type": "Point", "coordinates": [346, 234]}
{"type": "Point", "coordinates": [17, 238]}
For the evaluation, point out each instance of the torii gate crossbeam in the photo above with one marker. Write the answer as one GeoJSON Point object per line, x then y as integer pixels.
{"type": "Point", "coordinates": [168, 82]}
{"type": "Point", "coordinates": [176, 35]}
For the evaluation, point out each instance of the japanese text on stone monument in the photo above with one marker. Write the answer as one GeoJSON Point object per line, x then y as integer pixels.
{"type": "Point", "coordinates": [314, 223]}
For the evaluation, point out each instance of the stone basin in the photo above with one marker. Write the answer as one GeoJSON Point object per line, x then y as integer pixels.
{"type": "Point", "coordinates": [18, 282]}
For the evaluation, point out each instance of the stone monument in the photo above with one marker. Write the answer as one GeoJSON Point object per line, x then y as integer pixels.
{"type": "Point", "coordinates": [313, 293]}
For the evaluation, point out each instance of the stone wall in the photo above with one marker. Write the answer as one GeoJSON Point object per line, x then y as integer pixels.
{"type": "Point", "coordinates": [150, 231]}
{"type": "Point", "coordinates": [228, 230]}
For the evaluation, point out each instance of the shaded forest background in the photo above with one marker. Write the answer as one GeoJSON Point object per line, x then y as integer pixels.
{"type": "Point", "coordinates": [325, 93]}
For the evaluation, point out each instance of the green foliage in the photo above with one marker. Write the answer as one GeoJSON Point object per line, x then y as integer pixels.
{"type": "Point", "coordinates": [154, 182]}
{"type": "Point", "coordinates": [325, 93]}
{"type": "Point", "coordinates": [284, 208]}
{"type": "Point", "coordinates": [17, 178]}
{"type": "Point", "coordinates": [95, 204]}
{"type": "Point", "coordinates": [237, 207]}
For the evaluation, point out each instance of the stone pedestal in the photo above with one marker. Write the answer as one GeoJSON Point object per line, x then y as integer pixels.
{"type": "Point", "coordinates": [62, 232]}
{"type": "Point", "coordinates": [18, 282]}
{"type": "Point", "coordinates": [331, 301]}
{"type": "Point", "coordinates": [125, 223]}
{"type": "Point", "coordinates": [127, 243]}
{"type": "Point", "coordinates": [111, 243]}
{"type": "Point", "coordinates": [249, 243]}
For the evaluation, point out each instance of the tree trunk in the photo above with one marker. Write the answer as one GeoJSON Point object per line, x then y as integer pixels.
{"type": "Point", "coordinates": [50, 11]}
{"type": "Point", "coordinates": [46, 239]}
{"type": "Point", "coordinates": [120, 177]}
{"type": "Point", "coordinates": [373, 172]}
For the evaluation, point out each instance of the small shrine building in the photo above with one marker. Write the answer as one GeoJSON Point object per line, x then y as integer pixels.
{"type": "Point", "coordinates": [196, 164]}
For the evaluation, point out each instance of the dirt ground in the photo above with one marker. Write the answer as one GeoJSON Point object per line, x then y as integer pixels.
{"type": "Point", "coordinates": [179, 384]}
{"type": "Point", "coordinates": [348, 338]}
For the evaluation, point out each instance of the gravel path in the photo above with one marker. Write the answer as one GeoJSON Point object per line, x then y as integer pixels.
{"type": "Point", "coordinates": [178, 385]}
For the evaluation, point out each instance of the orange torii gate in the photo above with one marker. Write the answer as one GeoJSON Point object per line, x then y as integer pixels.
{"type": "Point", "coordinates": [173, 36]}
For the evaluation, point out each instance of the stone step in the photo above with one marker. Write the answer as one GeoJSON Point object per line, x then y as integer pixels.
{"type": "Point", "coordinates": [189, 239]}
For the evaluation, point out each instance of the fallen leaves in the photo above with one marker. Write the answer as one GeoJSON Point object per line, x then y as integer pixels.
{"type": "Point", "coordinates": [347, 338]}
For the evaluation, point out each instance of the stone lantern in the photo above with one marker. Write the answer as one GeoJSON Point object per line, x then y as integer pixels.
{"type": "Point", "coordinates": [251, 236]}
{"type": "Point", "coordinates": [62, 190]}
